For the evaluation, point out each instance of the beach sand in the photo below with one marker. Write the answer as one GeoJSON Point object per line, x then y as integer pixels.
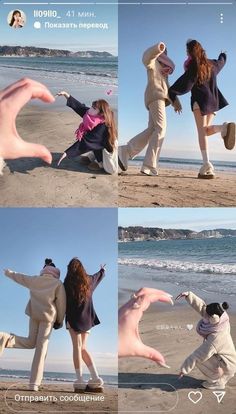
{"type": "Point", "coordinates": [62, 399]}
{"type": "Point", "coordinates": [158, 389]}
{"type": "Point", "coordinates": [175, 188]}
{"type": "Point", "coordinates": [29, 182]}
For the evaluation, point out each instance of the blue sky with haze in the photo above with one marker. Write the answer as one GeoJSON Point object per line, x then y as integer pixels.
{"type": "Point", "coordinates": [179, 218]}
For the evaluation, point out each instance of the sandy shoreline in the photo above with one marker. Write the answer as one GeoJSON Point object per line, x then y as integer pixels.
{"type": "Point", "coordinates": [158, 389]}
{"type": "Point", "coordinates": [29, 182]}
{"type": "Point", "coordinates": [61, 398]}
{"type": "Point", "coordinates": [175, 188]}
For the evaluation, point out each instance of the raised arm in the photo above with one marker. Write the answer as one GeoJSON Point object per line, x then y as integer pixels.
{"type": "Point", "coordinates": [20, 278]}
{"type": "Point", "coordinates": [220, 62]}
{"type": "Point", "coordinates": [97, 277]}
{"type": "Point", "coordinates": [77, 106]}
{"type": "Point", "coordinates": [152, 53]}
{"type": "Point", "coordinates": [197, 303]}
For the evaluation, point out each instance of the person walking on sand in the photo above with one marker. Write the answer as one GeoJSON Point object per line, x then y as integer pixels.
{"type": "Point", "coordinates": [80, 318]}
{"type": "Point", "coordinates": [200, 78]}
{"type": "Point", "coordinates": [216, 357]}
{"type": "Point", "coordinates": [97, 134]}
{"type": "Point", "coordinates": [158, 66]}
{"type": "Point", "coordinates": [46, 310]}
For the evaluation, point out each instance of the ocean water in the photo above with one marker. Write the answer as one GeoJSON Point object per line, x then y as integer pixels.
{"type": "Point", "coordinates": [53, 377]}
{"type": "Point", "coordinates": [85, 78]}
{"type": "Point", "coordinates": [93, 71]}
{"type": "Point", "coordinates": [207, 266]}
{"type": "Point", "coordinates": [190, 164]}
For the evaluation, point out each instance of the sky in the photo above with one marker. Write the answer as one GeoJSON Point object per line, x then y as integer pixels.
{"type": "Point", "coordinates": [179, 218]}
{"type": "Point", "coordinates": [141, 26]}
{"type": "Point", "coordinates": [28, 236]}
{"type": "Point", "coordinates": [69, 39]}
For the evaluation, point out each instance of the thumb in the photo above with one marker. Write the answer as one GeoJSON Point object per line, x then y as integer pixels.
{"type": "Point", "coordinates": [29, 149]}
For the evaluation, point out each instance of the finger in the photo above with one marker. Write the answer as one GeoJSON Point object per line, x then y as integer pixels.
{"type": "Point", "coordinates": [16, 99]}
{"type": "Point", "coordinates": [13, 86]}
{"type": "Point", "coordinates": [18, 84]}
{"type": "Point", "coordinates": [28, 149]}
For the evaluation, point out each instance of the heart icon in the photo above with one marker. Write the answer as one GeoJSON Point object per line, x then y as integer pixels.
{"type": "Point", "coordinates": [194, 396]}
{"type": "Point", "coordinates": [189, 327]}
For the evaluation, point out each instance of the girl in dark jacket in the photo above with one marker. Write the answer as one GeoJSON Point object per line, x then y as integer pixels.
{"type": "Point", "coordinates": [96, 132]}
{"type": "Point", "coordinates": [200, 78]}
{"type": "Point", "coordinates": [80, 318]}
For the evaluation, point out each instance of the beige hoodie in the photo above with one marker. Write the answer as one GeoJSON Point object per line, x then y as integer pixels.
{"type": "Point", "coordinates": [157, 86]}
{"type": "Point", "coordinates": [47, 296]}
{"type": "Point", "coordinates": [219, 343]}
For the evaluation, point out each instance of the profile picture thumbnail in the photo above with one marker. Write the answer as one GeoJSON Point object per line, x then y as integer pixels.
{"type": "Point", "coordinates": [16, 19]}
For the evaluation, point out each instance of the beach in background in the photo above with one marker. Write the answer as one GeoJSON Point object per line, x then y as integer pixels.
{"type": "Point", "coordinates": [30, 182]}
{"type": "Point", "coordinates": [207, 267]}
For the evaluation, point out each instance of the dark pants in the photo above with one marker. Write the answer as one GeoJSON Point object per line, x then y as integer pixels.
{"type": "Point", "coordinates": [81, 147]}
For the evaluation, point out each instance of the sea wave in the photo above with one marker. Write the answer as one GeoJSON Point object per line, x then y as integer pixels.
{"type": "Point", "coordinates": [71, 72]}
{"type": "Point", "coordinates": [180, 266]}
{"type": "Point", "coordinates": [53, 379]}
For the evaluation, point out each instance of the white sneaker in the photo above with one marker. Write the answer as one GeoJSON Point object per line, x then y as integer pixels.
{"type": "Point", "coordinates": [79, 385]}
{"type": "Point", "coordinates": [3, 341]}
{"type": "Point", "coordinates": [95, 383]}
{"type": "Point", "coordinates": [149, 171]}
{"type": "Point", "coordinates": [217, 385]}
{"type": "Point", "coordinates": [206, 171]}
{"type": "Point", "coordinates": [33, 387]}
{"type": "Point", "coordinates": [228, 135]}
{"type": "Point", "coordinates": [123, 157]}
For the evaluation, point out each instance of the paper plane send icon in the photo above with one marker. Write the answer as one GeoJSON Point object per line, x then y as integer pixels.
{"type": "Point", "coordinates": [219, 395]}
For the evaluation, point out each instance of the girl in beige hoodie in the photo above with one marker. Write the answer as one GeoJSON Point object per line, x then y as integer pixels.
{"type": "Point", "coordinates": [46, 309]}
{"type": "Point", "coordinates": [216, 357]}
{"type": "Point", "coordinates": [158, 66]}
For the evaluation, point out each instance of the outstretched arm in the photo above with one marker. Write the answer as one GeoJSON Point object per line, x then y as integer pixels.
{"type": "Point", "coordinates": [220, 62]}
{"type": "Point", "coordinates": [197, 303]}
{"type": "Point", "coordinates": [74, 104]}
{"type": "Point", "coordinates": [77, 106]}
{"type": "Point", "coordinates": [182, 86]}
{"type": "Point", "coordinates": [20, 278]}
{"type": "Point", "coordinates": [97, 277]}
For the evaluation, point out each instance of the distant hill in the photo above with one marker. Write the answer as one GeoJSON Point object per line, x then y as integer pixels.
{"type": "Point", "coordinates": [139, 233]}
{"type": "Point", "coordinates": [29, 51]}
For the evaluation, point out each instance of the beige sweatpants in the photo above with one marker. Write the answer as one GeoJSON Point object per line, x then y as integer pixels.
{"type": "Point", "coordinates": [152, 136]}
{"type": "Point", "coordinates": [39, 333]}
{"type": "Point", "coordinates": [215, 370]}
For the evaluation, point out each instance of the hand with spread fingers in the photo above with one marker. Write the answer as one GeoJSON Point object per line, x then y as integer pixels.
{"type": "Point", "coordinates": [12, 100]}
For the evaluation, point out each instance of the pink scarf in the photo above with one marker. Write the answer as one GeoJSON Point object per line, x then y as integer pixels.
{"type": "Point", "coordinates": [187, 63]}
{"type": "Point", "coordinates": [168, 65]}
{"type": "Point", "coordinates": [89, 122]}
{"type": "Point", "coordinates": [205, 327]}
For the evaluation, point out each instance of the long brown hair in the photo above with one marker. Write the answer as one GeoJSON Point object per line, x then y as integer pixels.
{"type": "Point", "coordinates": [13, 17]}
{"type": "Point", "coordinates": [77, 282]}
{"type": "Point", "coordinates": [105, 110]}
{"type": "Point", "coordinates": [201, 65]}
